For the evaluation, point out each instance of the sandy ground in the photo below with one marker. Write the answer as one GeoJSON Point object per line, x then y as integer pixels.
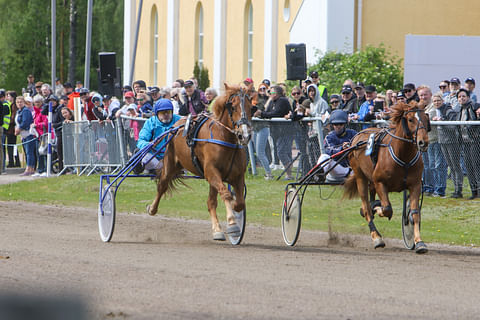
{"type": "Point", "coordinates": [163, 268]}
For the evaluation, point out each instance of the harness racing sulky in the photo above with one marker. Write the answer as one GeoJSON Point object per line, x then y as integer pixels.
{"type": "Point", "coordinates": [382, 160]}
{"type": "Point", "coordinates": [211, 146]}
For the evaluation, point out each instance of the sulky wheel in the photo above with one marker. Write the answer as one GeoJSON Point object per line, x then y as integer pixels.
{"type": "Point", "coordinates": [106, 214]}
{"type": "Point", "coordinates": [291, 216]}
{"type": "Point", "coordinates": [240, 218]}
{"type": "Point", "coordinates": [407, 223]}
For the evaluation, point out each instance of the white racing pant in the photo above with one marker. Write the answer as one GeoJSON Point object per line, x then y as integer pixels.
{"type": "Point", "coordinates": [337, 173]}
{"type": "Point", "coordinates": [153, 164]}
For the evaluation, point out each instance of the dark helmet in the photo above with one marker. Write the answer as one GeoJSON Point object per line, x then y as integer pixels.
{"type": "Point", "coordinates": [83, 90]}
{"type": "Point", "coordinates": [161, 105]}
{"type": "Point", "coordinates": [338, 117]}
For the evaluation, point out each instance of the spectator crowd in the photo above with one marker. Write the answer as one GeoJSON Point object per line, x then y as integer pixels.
{"type": "Point", "coordinates": [451, 146]}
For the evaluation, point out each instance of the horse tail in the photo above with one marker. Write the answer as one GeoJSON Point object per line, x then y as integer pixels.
{"type": "Point", "coordinates": [350, 187]}
{"type": "Point", "coordinates": [177, 179]}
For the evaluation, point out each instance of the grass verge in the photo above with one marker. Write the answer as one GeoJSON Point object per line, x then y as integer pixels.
{"type": "Point", "coordinates": [450, 221]}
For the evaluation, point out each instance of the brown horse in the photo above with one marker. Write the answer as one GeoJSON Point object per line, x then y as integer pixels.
{"type": "Point", "coordinates": [220, 150]}
{"type": "Point", "coordinates": [399, 167]}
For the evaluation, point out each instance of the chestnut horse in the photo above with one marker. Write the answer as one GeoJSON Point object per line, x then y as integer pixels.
{"type": "Point", "coordinates": [399, 167]}
{"type": "Point", "coordinates": [220, 149]}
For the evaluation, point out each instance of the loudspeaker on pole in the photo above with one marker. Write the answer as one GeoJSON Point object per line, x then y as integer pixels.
{"type": "Point", "coordinates": [296, 61]}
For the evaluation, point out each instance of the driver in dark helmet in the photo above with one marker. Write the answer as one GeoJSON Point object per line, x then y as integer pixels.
{"type": "Point", "coordinates": [154, 127]}
{"type": "Point", "coordinates": [335, 141]}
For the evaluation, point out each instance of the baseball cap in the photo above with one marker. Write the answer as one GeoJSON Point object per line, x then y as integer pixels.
{"type": "Point", "coordinates": [455, 80]}
{"type": "Point", "coordinates": [249, 80]}
{"type": "Point", "coordinates": [95, 99]}
{"type": "Point", "coordinates": [129, 94]}
{"type": "Point", "coordinates": [370, 89]}
{"type": "Point", "coordinates": [67, 85]}
{"type": "Point", "coordinates": [188, 83]}
{"type": "Point", "coordinates": [409, 86]}
{"type": "Point", "coordinates": [154, 89]}
{"type": "Point", "coordinates": [469, 79]}
{"type": "Point", "coordinates": [400, 94]}
{"type": "Point", "coordinates": [308, 80]}
{"type": "Point", "coordinates": [266, 81]}
{"type": "Point", "coordinates": [107, 97]}
{"type": "Point", "coordinates": [346, 89]}
{"type": "Point", "coordinates": [314, 74]}
{"type": "Point", "coordinates": [359, 85]}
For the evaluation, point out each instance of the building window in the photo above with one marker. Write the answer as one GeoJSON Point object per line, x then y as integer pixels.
{"type": "Point", "coordinates": [155, 46]}
{"type": "Point", "coordinates": [249, 39]}
{"type": "Point", "coordinates": [200, 35]}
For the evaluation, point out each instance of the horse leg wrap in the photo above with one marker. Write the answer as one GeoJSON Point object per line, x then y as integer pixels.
{"type": "Point", "coordinates": [388, 209]}
{"type": "Point", "coordinates": [372, 227]}
{"type": "Point", "coordinates": [411, 213]}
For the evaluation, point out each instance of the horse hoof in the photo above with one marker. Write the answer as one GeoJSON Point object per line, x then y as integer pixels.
{"type": "Point", "coordinates": [219, 236]}
{"type": "Point", "coordinates": [378, 243]}
{"type": "Point", "coordinates": [421, 247]}
{"type": "Point", "coordinates": [233, 230]}
{"type": "Point", "coordinates": [149, 212]}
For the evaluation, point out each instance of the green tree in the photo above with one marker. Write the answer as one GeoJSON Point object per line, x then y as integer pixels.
{"type": "Point", "coordinates": [201, 74]}
{"type": "Point", "coordinates": [25, 39]}
{"type": "Point", "coordinates": [371, 65]}
{"type": "Point", "coordinates": [204, 82]}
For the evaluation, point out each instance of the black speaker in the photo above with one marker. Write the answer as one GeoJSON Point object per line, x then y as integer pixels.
{"type": "Point", "coordinates": [108, 67]}
{"type": "Point", "coordinates": [296, 61]}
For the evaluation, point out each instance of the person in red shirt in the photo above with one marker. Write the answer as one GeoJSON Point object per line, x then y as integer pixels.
{"type": "Point", "coordinates": [88, 105]}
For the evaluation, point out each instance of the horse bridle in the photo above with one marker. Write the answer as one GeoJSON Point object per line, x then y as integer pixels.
{"type": "Point", "coordinates": [243, 124]}
{"type": "Point", "coordinates": [420, 125]}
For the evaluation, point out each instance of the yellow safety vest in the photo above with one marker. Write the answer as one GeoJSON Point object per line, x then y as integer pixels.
{"type": "Point", "coordinates": [6, 118]}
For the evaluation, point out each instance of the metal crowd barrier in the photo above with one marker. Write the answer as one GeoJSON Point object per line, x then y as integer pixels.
{"type": "Point", "coordinates": [454, 149]}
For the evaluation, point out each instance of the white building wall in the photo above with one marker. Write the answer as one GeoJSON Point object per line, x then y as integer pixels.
{"type": "Point", "coordinates": [431, 59]}
{"type": "Point", "coordinates": [324, 25]}
{"type": "Point", "coordinates": [129, 17]}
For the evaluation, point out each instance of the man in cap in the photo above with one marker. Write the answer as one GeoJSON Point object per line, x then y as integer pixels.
{"type": "Point", "coordinates": [360, 93]}
{"type": "Point", "coordinates": [349, 102]}
{"type": "Point", "coordinates": [154, 93]}
{"type": "Point", "coordinates": [154, 127]}
{"type": "Point", "coordinates": [194, 100]}
{"type": "Point", "coordinates": [470, 86]}
{"type": "Point", "coordinates": [410, 92]}
{"type": "Point", "coordinates": [401, 97]}
{"type": "Point", "coordinates": [321, 89]}
{"type": "Point", "coordinates": [451, 99]}
{"type": "Point", "coordinates": [366, 111]}
{"type": "Point", "coordinates": [4, 124]}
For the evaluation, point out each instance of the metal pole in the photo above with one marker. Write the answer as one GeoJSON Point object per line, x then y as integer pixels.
{"type": "Point", "coordinates": [53, 43]}
{"type": "Point", "coordinates": [86, 80]}
{"type": "Point", "coordinates": [137, 29]}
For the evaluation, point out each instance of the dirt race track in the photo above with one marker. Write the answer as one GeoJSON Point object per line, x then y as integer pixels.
{"type": "Point", "coordinates": [159, 268]}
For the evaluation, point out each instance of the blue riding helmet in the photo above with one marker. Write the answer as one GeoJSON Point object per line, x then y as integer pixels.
{"type": "Point", "coordinates": [338, 117]}
{"type": "Point", "coordinates": [162, 105]}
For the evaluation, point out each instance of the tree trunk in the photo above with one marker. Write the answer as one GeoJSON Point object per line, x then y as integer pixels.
{"type": "Point", "coordinates": [72, 43]}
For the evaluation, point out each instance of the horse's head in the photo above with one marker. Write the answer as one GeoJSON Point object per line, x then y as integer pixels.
{"type": "Point", "coordinates": [237, 104]}
{"type": "Point", "coordinates": [414, 122]}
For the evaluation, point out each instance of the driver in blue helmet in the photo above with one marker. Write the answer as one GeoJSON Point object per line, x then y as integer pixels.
{"type": "Point", "coordinates": [155, 126]}
{"type": "Point", "coordinates": [335, 141]}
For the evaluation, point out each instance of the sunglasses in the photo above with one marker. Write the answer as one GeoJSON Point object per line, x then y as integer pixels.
{"type": "Point", "coordinates": [407, 90]}
{"type": "Point", "coordinates": [262, 89]}
{"type": "Point", "coordinates": [334, 101]}
{"type": "Point", "coordinates": [295, 93]}
{"type": "Point", "coordinates": [442, 87]}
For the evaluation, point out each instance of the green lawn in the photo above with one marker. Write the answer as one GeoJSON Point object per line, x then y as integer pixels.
{"type": "Point", "coordinates": [451, 221]}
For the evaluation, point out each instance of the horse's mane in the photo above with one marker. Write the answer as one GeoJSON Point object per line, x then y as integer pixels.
{"type": "Point", "coordinates": [399, 109]}
{"type": "Point", "coordinates": [221, 101]}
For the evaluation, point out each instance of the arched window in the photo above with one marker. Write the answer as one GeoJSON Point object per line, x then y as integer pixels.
{"type": "Point", "coordinates": [249, 11]}
{"type": "Point", "coordinates": [155, 45]}
{"type": "Point", "coordinates": [199, 20]}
